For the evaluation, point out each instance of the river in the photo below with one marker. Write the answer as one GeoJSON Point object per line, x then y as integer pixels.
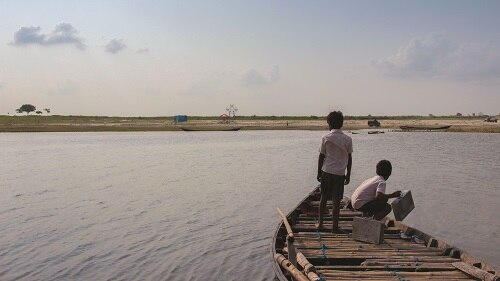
{"type": "Point", "coordinates": [201, 205]}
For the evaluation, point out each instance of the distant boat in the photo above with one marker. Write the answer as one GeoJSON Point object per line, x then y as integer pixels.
{"type": "Point", "coordinates": [424, 128]}
{"type": "Point", "coordinates": [209, 129]}
{"type": "Point", "coordinates": [375, 132]}
{"type": "Point", "coordinates": [373, 123]}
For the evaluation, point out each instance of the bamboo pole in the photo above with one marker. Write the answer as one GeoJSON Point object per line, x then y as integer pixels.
{"type": "Point", "coordinates": [290, 268]}
{"type": "Point", "coordinates": [285, 221]}
{"type": "Point", "coordinates": [309, 269]}
{"type": "Point", "coordinates": [289, 239]}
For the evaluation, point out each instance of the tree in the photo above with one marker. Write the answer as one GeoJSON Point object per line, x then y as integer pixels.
{"type": "Point", "coordinates": [38, 112]}
{"type": "Point", "coordinates": [47, 110]}
{"type": "Point", "coordinates": [26, 108]}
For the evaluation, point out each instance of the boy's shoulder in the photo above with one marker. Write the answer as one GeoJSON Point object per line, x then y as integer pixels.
{"type": "Point", "coordinates": [337, 133]}
{"type": "Point", "coordinates": [377, 179]}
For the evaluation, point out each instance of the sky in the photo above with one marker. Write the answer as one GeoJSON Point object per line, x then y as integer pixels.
{"type": "Point", "coordinates": [162, 58]}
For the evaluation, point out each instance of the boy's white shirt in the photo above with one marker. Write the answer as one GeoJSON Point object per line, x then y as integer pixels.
{"type": "Point", "coordinates": [367, 191]}
{"type": "Point", "coordinates": [335, 146]}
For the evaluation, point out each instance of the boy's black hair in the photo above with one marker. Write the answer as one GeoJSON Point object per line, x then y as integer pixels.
{"type": "Point", "coordinates": [335, 119]}
{"type": "Point", "coordinates": [384, 168]}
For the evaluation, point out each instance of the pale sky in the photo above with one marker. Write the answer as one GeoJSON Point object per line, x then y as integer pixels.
{"type": "Point", "coordinates": [159, 58]}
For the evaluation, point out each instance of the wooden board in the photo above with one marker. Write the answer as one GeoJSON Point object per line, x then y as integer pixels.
{"type": "Point", "coordinates": [475, 272]}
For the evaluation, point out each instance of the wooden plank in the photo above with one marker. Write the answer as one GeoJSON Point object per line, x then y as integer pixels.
{"type": "Point", "coordinates": [423, 260]}
{"type": "Point", "coordinates": [391, 274]}
{"type": "Point", "coordinates": [388, 267]}
{"type": "Point", "coordinates": [365, 254]}
{"type": "Point", "coordinates": [392, 237]}
{"type": "Point", "coordinates": [355, 245]}
{"type": "Point", "coordinates": [368, 249]}
{"type": "Point", "coordinates": [412, 279]}
{"type": "Point", "coordinates": [349, 241]}
{"type": "Point", "coordinates": [333, 242]}
{"type": "Point", "coordinates": [475, 272]}
{"type": "Point", "coordinates": [341, 245]}
{"type": "Point", "coordinates": [309, 227]}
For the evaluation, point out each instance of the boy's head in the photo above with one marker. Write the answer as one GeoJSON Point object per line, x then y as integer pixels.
{"type": "Point", "coordinates": [335, 120]}
{"type": "Point", "coordinates": [384, 169]}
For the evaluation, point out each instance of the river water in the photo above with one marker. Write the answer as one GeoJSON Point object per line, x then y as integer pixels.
{"type": "Point", "coordinates": [201, 205]}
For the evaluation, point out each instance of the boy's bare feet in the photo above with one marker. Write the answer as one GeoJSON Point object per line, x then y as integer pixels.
{"type": "Point", "coordinates": [319, 226]}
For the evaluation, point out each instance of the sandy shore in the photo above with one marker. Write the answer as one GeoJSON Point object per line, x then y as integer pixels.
{"type": "Point", "coordinates": [86, 124]}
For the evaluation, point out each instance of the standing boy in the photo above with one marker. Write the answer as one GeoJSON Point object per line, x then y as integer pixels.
{"type": "Point", "coordinates": [370, 197]}
{"type": "Point", "coordinates": [334, 158]}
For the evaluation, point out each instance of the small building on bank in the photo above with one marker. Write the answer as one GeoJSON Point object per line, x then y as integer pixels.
{"type": "Point", "coordinates": [180, 118]}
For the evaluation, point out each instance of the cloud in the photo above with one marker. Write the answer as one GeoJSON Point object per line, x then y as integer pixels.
{"type": "Point", "coordinates": [436, 56]}
{"type": "Point", "coordinates": [143, 51]}
{"type": "Point", "coordinates": [114, 46]}
{"type": "Point", "coordinates": [28, 35]}
{"type": "Point", "coordinates": [63, 33]}
{"type": "Point", "coordinates": [255, 78]}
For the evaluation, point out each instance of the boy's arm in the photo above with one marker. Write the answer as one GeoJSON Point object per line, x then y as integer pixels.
{"type": "Point", "coordinates": [384, 197]}
{"type": "Point", "coordinates": [321, 159]}
{"type": "Point", "coordinates": [348, 174]}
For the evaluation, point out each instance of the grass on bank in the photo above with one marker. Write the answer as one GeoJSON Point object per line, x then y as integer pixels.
{"type": "Point", "coordinates": [120, 119]}
{"type": "Point", "coordinates": [71, 123]}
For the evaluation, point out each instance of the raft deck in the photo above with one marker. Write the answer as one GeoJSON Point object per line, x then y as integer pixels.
{"type": "Point", "coordinates": [412, 256]}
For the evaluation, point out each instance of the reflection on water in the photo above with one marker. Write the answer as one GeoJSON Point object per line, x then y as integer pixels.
{"type": "Point", "coordinates": [201, 206]}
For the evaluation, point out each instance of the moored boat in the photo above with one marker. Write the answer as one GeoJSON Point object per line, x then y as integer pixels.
{"type": "Point", "coordinates": [209, 129]}
{"type": "Point", "coordinates": [301, 252]}
{"type": "Point", "coordinates": [424, 128]}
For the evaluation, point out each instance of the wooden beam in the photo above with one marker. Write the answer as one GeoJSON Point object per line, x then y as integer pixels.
{"type": "Point", "coordinates": [475, 272]}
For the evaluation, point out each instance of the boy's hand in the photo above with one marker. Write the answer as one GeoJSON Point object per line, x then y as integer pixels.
{"type": "Point", "coordinates": [397, 193]}
{"type": "Point", "coordinates": [347, 179]}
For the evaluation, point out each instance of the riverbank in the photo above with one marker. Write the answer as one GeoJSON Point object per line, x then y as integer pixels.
{"type": "Point", "coordinates": [117, 124]}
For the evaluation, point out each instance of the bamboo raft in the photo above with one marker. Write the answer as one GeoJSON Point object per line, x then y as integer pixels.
{"type": "Point", "coordinates": [302, 253]}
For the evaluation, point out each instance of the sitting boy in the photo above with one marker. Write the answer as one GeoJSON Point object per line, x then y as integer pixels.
{"type": "Point", "coordinates": [370, 197]}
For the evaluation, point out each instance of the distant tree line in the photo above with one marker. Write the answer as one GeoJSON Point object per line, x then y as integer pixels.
{"type": "Point", "coordinates": [28, 108]}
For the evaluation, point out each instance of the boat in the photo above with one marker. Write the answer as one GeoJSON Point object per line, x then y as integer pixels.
{"type": "Point", "coordinates": [375, 132]}
{"type": "Point", "coordinates": [425, 128]}
{"type": "Point", "coordinates": [373, 123]}
{"type": "Point", "coordinates": [300, 252]}
{"type": "Point", "coordinates": [209, 129]}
